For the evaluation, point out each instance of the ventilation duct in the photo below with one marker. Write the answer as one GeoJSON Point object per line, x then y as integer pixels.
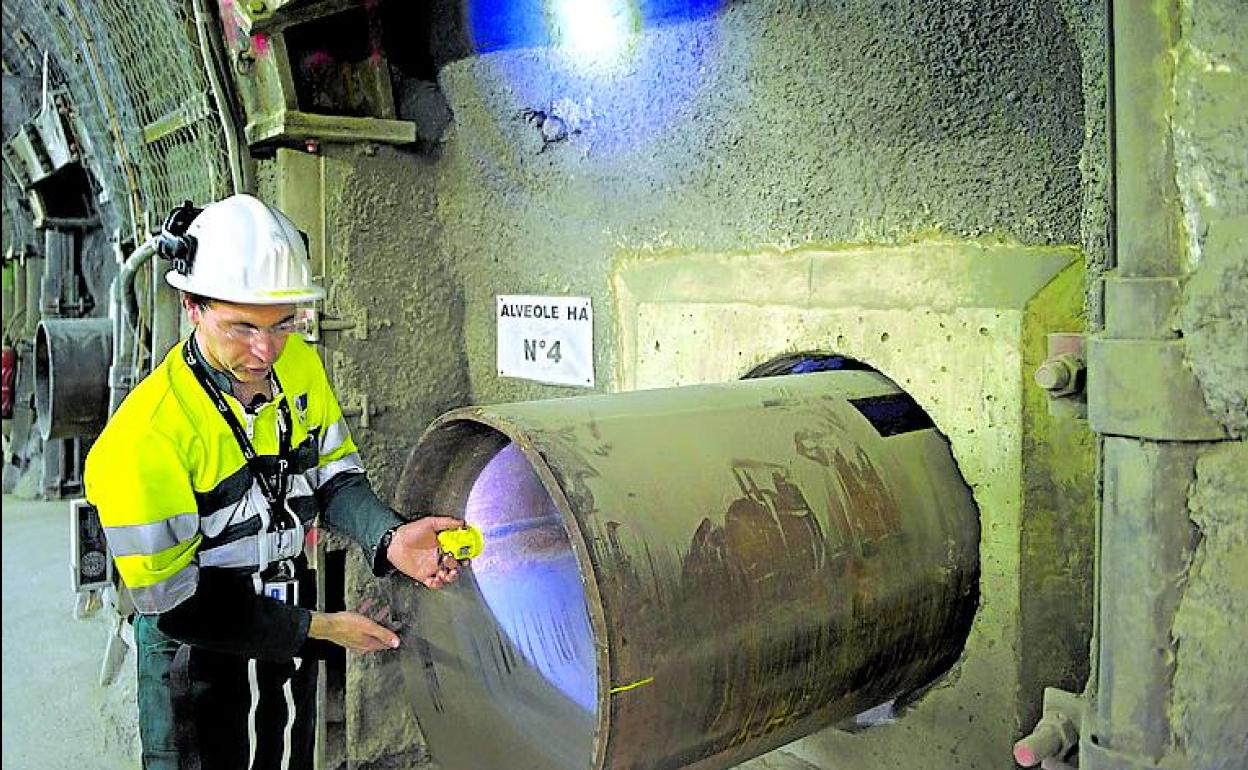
{"type": "Point", "coordinates": [72, 356]}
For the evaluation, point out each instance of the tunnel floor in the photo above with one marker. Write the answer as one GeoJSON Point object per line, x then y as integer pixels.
{"type": "Point", "coordinates": [56, 716]}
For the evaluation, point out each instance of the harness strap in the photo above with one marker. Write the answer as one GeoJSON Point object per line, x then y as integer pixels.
{"type": "Point", "coordinates": [274, 489]}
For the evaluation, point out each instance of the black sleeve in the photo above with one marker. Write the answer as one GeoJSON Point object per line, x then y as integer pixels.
{"type": "Point", "coordinates": [225, 615]}
{"type": "Point", "coordinates": [352, 508]}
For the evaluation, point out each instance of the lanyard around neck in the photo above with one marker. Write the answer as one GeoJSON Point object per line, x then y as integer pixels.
{"type": "Point", "coordinates": [274, 489]}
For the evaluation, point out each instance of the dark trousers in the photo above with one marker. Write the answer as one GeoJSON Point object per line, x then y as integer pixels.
{"type": "Point", "coordinates": [230, 699]}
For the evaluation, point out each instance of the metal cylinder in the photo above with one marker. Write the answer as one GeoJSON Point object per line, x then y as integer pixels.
{"type": "Point", "coordinates": [71, 375]}
{"type": "Point", "coordinates": [34, 278]}
{"type": "Point", "coordinates": [685, 577]}
{"type": "Point", "coordinates": [58, 272]}
{"type": "Point", "coordinates": [8, 302]}
{"type": "Point", "coordinates": [166, 314]}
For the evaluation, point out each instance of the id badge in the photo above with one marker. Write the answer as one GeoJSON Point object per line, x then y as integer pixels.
{"type": "Point", "coordinates": [284, 591]}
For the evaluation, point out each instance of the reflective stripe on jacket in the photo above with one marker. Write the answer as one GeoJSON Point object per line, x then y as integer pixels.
{"type": "Point", "coordinates": [174, 492]}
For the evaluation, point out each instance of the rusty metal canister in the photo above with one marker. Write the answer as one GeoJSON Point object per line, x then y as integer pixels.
{"type": "Point", "coordinates": [685, 577]}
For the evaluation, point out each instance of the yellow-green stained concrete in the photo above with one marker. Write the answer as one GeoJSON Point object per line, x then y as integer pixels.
{"type": "Point", "coordinates": [961, 326]}
{"type": "Point", "coordinates": [1059, 507]}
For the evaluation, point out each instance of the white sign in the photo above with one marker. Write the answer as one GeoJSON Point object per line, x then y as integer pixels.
{"type": "Point", "coordinates": [547, 339]}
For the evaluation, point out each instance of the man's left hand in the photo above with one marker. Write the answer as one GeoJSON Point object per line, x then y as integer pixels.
{"type": "Point", "coordinates": [415, 552]}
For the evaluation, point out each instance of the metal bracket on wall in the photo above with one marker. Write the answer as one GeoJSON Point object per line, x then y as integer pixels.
{"type": "Point", "coordinates": [1139, 383]}
{"type": "Point", "coordinates": [360, 408]}
{"type": "Point", "coordinates": [303, 127]}
{"type": "Point", "coordinates": [255, 16]}
{"type": "Point", "coordinates": [192, 110]}
{"type": "Point", "coordinates": [43, 146]}
{"type": "Point", "coordinates": [356, 324]}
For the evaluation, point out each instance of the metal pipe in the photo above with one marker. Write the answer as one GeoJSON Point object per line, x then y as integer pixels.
{"type": "Point", "coordinates": [58, 266]}
{"type": "Point", "coordinates": [71, 394]}
{"type": "Point", "coordinates": [1145, 540]}
{"type": "Point", "coordinates": [229, 128]}
{"type": "Point", "coordinates": [129, 267]}
{"type": "Point", "coordinates": [686, 577]}
{"type": "Point", "coordinates": [1147, 543]}
{"type": "Point", "coordinates": [166, 317]}
{"type": "Point", "coordinates": [8, 303]}
{"type": "Point", "coordinates": [1147, 217]}
{"type": "Point", "coordinates": [123, 314]}
{"type": "Point", "coordinates": [15, 323]}
{"type": "Point", "coordinates": [34, 286]}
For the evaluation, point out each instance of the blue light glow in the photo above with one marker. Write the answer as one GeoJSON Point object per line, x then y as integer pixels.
{"type": "Point", "coordinates": [529, 578]}
{"type": "Point", "coordinates": [503, 24]}
{"type": "Point", "coordinates": [617, 73]}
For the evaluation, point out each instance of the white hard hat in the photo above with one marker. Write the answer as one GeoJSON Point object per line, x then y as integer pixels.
{"type": "Point", "coordinates": [242, 250]}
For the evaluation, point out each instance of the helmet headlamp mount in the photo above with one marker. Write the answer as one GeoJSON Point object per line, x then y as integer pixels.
{"type": "Point", "coordinates": [174, 243]}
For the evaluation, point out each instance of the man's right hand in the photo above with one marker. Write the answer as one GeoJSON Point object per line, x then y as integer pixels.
{"type": "Point", "coordinates": [353, 631]}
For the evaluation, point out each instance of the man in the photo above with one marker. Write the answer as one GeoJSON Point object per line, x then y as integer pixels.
{"type": "Point", "coordinates": [208, 480]}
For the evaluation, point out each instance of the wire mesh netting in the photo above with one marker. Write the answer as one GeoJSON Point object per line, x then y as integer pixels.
{"type": "Point", "coordinates": [140, 101]}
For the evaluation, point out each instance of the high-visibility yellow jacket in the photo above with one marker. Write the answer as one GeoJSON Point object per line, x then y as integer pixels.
{"type": "Point", "coordinates": [175, 495]}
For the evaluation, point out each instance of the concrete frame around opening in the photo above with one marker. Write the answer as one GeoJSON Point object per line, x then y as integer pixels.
{"type": "Point", "coordinates": [961, 327]}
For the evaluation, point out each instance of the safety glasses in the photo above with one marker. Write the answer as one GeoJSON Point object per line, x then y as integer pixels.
{"type": "Point", "coordinates": [242, 331]}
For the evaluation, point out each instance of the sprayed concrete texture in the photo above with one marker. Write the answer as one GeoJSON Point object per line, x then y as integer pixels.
{"type": "Point", "coordinates": [1211, 158]}
{"type": "Point", "coordinates": [379, 224]}
{"type": "Point", "coordinates": [960, 327]}
{"type": "Point", "coordinates": [1088, 24]}
{"type": "Point", "coordinates": [1210, 707]}
{"type": "Point", "coordinates": [370, 215]}
{"type": "Point", "coordinates": [370, 211]}
{"type": "Point", "coordinates": [56, 716]}
{"type": "Point", "coordinates": [765, 123]}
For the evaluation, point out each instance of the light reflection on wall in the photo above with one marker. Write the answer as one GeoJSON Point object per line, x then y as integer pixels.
{"type": "Point", "coordinates": [497, 25]}
{"type": "Point", "coordinates": [596, 33]}
{"type": "Point", "coordinates": [603, 63]}
{"type": "Point", "coordinates": [529, 578]}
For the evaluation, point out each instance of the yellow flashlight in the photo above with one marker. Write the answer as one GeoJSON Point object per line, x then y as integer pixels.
{"type": "Point", "coordinates": [463, 543]}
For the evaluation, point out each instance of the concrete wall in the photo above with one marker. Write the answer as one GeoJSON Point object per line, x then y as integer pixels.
{"type": "Point", "coordinates": [1210, 710]}
{"type": "Point", "coordinates": [752, 126]}
{"type": "Point", "coordinates": [762, 124]}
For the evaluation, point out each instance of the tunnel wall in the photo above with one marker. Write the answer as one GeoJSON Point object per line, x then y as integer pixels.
{"type": "Point", "coordinates": [747, 127]}
{"type": "Point", "coordinates": [1210, 631]}
{"type": "Point", "coordinates": [804, 138]}
{"type": "Point", "coordinates": [766, 124]}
